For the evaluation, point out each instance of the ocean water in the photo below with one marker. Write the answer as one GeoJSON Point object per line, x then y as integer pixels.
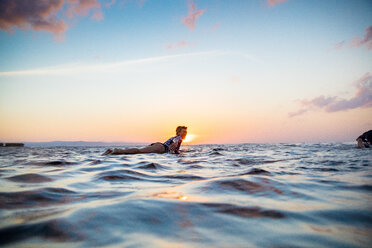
{"type": "Point", "coordinates": [248, 195]}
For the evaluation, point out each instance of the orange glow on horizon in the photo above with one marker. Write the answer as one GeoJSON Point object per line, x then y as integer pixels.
{"type": "Point", "coordinates": [248, 126]}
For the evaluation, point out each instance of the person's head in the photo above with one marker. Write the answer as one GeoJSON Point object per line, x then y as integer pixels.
{"type": "Point", "coordinates": [181, 131]}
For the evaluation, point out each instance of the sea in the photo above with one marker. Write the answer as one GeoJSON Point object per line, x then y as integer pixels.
{"type": "Point", "coordinates": [244, 195]}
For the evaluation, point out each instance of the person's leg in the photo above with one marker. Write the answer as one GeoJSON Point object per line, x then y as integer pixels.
{"type": "Point", "coordinates": [153, 148]}
{"type": "Point", "coordinates": [118, 151]}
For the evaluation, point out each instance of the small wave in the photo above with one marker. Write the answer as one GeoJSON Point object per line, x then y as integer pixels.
{"type": "Point", "coordinates": [326, 169]}
{"type": "Point", "coordinates": [120, 175]}
{"type": "Point", "coordinates": [256, 171]}
{"type": "Point", "coordinates": [329, 162]}
{"type": "Point", "coordinates": [252, 161]}
{"type": "Point", "coordinates": [97, 168]}
{"type": "Point", "coordinates": [247, 212]}
{"type": "Point", "coordinates": [183, 161]}
{"type": "Point", "coordinates": [59, 163]}
{"type": "Point", "coordinates": [247, 186]}
{"type": "Point", "coordinates": [245, 161]}
{"type": "Point", "coordinates": [37, 198]}
{"type": "Point", "coordinates": [356, 216]}
{"type": "Point", "coordinates": [364, 187]}
{"type": "Point", "coordinates": [215, 153]}
{"type": "Point", "coordinates": [30, 178]}
{"type": "Point", "coordinates": [94, 162]}
{"type": "Point", "coordinates": [185, 176]}
{"type": "Point", "coordinates": [194, 166]}
{"type": "Point", "coordinates": [150, 166]}
{"type": "Point", "coordinates": [218, 149]}
{"type": "Point", "coordinates": [51, 163]}
{"type": "Point", "coordinates": [55, 230]}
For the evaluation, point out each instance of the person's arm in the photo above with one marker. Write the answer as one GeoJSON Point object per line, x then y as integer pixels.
{"type": "Point", "coordinates": [360, 143]}
{"type": "Point", "coordinates": [176, 146]}
{"type": "Point", "coordinates": [173, 147]}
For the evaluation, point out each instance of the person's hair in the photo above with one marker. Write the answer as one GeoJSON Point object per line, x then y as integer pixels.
{"type": "Point", "coordinates": [179, 129]}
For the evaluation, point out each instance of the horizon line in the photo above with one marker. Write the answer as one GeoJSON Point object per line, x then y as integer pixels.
{"type": "Point", "coordinates": [186, 143]}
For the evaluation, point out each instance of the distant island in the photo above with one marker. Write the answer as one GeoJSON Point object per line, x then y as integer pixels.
{"type": "Point", "coordinates": [80, 143]}
{"type": "Point", "coordinates": [12, 144]}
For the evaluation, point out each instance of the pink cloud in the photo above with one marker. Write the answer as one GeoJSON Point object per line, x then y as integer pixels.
{"type": "Point", "coordinates": [193, 15]}
{"type": "Point", "coordinates": [271, 3]}
{"type": "Point", "coordinates": [97, 15]}
{"type": "Point", "coordinates": [83, 8]}
{"type": "Point", "coordinates": [339, 45]}
{"type": "Point", "coordinates": [367, 40]}
{"type": "Point", "coordinates": [35, 15]}
{"type": "Point", "coordinates": [215, 27]}
{"type": "Point", "coordinates": [361, 99]}
{"type": "Point", "coordinates": [43, 15]}
{"type": "Point", "coordinates": [180, 44]}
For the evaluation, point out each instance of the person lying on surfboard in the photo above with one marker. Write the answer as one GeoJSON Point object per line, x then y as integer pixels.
{"type": "Point", "coordinates": [172, 145]}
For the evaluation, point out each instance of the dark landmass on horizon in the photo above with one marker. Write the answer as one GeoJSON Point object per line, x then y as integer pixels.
{"type": "Point", "coordinates": [80, 143]}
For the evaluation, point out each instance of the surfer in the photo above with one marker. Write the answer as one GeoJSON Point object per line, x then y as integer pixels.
{"type": "Point", "coordinates": [365, 139]}
{"type": "Point", "coordinates": [171, 145]}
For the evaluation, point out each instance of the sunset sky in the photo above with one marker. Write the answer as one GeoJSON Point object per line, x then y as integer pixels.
{"type": "Point", "coordinates": [257, 71]}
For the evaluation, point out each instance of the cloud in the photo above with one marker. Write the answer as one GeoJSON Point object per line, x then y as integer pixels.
{"type": "Point", "coordinates": [339, 45]}
{"type": "Point", "coordinates": [215, 27]}
{"type": "Point", "coordinates": [192, 16]}
{"type": "Point", "coordinates": [97, 15]}
{"type": "Point", "coordinates": [361, 99]}
{"type": "Point", "coordinates": [357, 42]}
{"type": "Point", "coordinates": [271, 3]}
{"type": "Point", "coordinates": [367, 40]}
{"type": "Point", "coordinates": [44, 15]}
{"type": "Point", "coordinates": [103, 67]}
{"type": "Point", "coordinates": [180, 44]}
{"type": "Point", "coordinates": [35, 15]}
{"type": "Point", "coordinates": [83, 8]}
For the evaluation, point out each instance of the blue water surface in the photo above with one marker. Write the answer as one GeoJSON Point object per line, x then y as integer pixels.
{"type": "Point", "coordinates": [247, 195]}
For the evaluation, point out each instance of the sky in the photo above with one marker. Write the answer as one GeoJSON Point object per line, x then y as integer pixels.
{"type": "Point", "coordinates": [258, 71]}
